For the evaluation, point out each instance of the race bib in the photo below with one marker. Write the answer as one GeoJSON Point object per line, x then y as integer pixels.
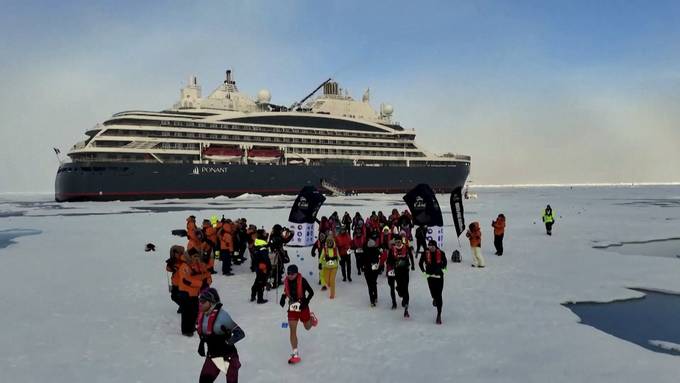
{"type": "Point", "coordinates": [375, 266]}
{"type": "Point", "coordinates": [390, 273]}
{"type": "Point", "coordinates": [359, 251]}
{"type": "Point", "coordinates": [294, 307]}
{"type": "Point", "coordinates": [330, 263]}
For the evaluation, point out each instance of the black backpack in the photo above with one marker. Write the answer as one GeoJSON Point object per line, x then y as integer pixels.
{"type": "Point", "coordinates": [455, 256]}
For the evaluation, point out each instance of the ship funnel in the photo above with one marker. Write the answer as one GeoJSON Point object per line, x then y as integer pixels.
{"type": "Point", "coordinates": [229, 79]}
{"type": "Point", "coordinates": [331, 88]}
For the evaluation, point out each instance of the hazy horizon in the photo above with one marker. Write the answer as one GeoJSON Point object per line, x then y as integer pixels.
{"type": "Point", "coordinates": [535, 93]}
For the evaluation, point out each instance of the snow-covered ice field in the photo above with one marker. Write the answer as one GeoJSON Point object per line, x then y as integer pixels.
{"type": "Point", "coordinates": [82, 302]}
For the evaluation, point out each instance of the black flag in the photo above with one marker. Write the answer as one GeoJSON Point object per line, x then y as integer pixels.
{"type": "Point", "coordinates": [306, 205]}
{"type": "Point", "coordinates": [457, 210]}
{"type": "Point", "coordinates": [424, 206]}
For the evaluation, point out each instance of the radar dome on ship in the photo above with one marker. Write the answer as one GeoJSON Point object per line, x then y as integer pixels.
{"type": "Point", "coordinates": [387, 109]}
{"type": "Point", "coordinates": [263, 96]}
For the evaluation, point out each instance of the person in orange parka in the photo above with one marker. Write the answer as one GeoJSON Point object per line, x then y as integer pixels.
{"type": "Point", "coordinates": [191, 227]}
{"type": "Point", "coordinates": [210, 243]}
{"type": "Point", "coordinates": [192, 278]}
{"type": "Point", "coordinates": [203, 249]}
{"type": "Point", "coordinates": [343, 241]}
{"type": "Point", "coordinates": [498, 233]}
{"type": "Point", "coordinates": [474, 233]}
{"type": "Point", "coordinates": [226, 239]}
{"type": "Point", "coordinates": [172, 266]}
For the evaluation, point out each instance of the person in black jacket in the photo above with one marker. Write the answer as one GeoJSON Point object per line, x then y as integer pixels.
{"type": "Point", "coordinates": [298, 292]}
{"type": "Point", "coordinates": [433, 265]}
{"type": "Point", "coordinates": [263, 268]}
{"type": "Point", "coordinates": [278, 256]}
{"type": "Point", "coordinates": [421, 238]}
{"type": "Point", "coordinates": [372, 268]}
{"type": "Point", "coordinates": [219, 332]}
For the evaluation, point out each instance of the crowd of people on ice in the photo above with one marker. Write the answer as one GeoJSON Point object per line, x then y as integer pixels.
{"type": "Point", "coordinates": [381, 245]}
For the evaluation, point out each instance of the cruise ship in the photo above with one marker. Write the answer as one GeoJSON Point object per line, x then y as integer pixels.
{"type": "Point", "coordinates": [229, 144]}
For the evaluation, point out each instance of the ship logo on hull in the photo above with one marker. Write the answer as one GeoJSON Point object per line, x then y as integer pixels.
{"type": "Point", "coordinates": [198, 170]}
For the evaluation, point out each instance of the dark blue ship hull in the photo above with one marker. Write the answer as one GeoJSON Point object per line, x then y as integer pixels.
{"type": "Point", "coordinates": [107, 181]}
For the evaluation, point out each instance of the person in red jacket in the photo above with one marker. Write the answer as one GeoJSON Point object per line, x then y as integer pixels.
{"type": "Point", "coordinates": [298, 292]}
{"type": "Point", "coordinates": [498, 233]}
{"type": "Point", "coordinates": [344, 242]}
{"type": "Point", "coordinates": [358, 244]}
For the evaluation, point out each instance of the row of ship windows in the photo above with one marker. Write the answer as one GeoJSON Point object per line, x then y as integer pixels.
{"type": "Point", "coordinates": [184, 146]}
{"type": "Point", "coordinates": [158, 134]}
{"type": "Point", "coordinates": [257, 128]}
{"type": "Point", "coordinates": [192, 158]}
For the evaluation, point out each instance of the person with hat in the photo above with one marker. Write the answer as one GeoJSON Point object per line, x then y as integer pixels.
{"type": "Point", "coordinates": [433, 266]}
{"type": "Point", "coordinates": [192, 278]}
{"type": "Point", "coordinates": [316, 248]}
{"type": "Point", "coordinates": [498, 233]}
{"type": "Point", "coordinates": [298, 292]}
{"type": "Point", "coordinates": [474, 234]}
{"type": "Point", "coordinates": [226, 242]}
{"type": "Point", "coordinates": [172, 265]}
{"type": "Point", "coordinates": [371, 265]}
{"type": "Point", "coordinates": [400, 257]}
{"type": "Point", "coordinates": [549, 219]}
{"type": "Point", "coordinates": [330, 257]}
{"type": "Point", "coordinates": [358, 242]}
{"type": "Point", "coordinates": [263, 269]}
{"type": "Point", "coordinates": [278, 256]}
{"type": "Point", "coordinates": [343, 241]}
{"type": "Point", "coordinates": [218, 331]}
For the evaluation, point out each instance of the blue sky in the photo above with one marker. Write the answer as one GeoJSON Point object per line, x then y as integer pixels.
{"type": "Point", "coordinates": [535, 91]}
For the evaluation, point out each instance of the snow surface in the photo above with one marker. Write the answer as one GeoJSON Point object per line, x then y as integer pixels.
{"type": "Point", "coordinates": [82, 301]}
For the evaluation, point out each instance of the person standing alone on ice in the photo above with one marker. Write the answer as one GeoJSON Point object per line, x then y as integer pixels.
{"type": "Point", "coordinates": [548, 219]}
{"type": "Point", "coordinates": [219, 332]}
{"type": "Point", "coordinates": [498, 233]}
{"type": "Point", "coordinates": [433, 265]}
{"type": "Point", "coordinates": [298, 292]}
{"type": "Point", "coordinates": [474, 233]}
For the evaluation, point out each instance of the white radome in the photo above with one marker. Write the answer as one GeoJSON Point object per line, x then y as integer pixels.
{"type": "Point", "coordinates": [263, 96]}
{"type": "Point", "coordinates": [387, 109]}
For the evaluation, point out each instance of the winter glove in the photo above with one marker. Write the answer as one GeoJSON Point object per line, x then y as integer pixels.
{"type": "Point", "coordinates": [201, 349]}
{"type": "Point", "coordinates": [445, 270]}
{"type": "Point", "coordinates": [304, 303]}
{"type": "Point", "coordinates": [282, 302]}
{"type": "Point", "coordinates": [413, 267]}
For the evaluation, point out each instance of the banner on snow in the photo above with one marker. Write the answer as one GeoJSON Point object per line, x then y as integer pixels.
{"type": "Point", "coordinates": [457, 210]}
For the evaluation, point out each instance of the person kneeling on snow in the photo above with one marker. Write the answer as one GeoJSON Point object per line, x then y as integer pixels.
{"type": "Point", "coordinates": [219, 332]}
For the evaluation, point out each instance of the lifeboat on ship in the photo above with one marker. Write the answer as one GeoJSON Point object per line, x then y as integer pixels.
{"type": "Point", "coordinates": [222, 154]}
{"type": "Point", "coordinates": [264, 155]}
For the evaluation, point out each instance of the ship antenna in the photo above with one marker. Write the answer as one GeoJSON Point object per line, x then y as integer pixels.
{"type": "Point", "coordinates": [295, 105]}
{"type": "Point", "coordinates": [57, 152]}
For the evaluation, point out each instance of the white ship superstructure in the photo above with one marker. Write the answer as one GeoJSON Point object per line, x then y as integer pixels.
{"type": "Point", "coordinates": [227, 127]}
